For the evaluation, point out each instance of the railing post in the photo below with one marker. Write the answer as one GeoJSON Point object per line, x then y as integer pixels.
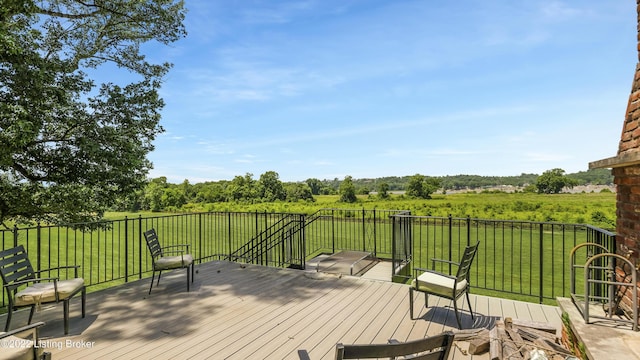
{"type": "Point", "coordinates": [393, 244]}
{"type": "Point", "coordinates": [229, 234]}
{"type": "Point", "coordinates": [450, 242]}
{"type": "Point", "coordinates": [140, 246]}
{"type": "Point", "coordinates": [15, 235]}
{"type": "Point", "coordinates": [257, 222]}
{"type": "Point", "coordinates": [199, 238]}
{"type": "Point", "coordinates": [541, 245]}
{"type": "Point", "coordinates": [333, 232]}
{"type": "Point", "coordinates": [375, 240]}
{"type": "Point", "coordinates": [303, 242]}
{"type": "Point", "coordinates": [39, 247]}
{"type": "Point", "coordinates": [364, 231]}
{"type": "Point", "coordinates": [468, 230]}
{"type": "Point", "coordinates": [126, 249]}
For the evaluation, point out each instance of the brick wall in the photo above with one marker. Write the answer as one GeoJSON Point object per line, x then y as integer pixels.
{"type": "Point", "coordinates": [630, 139]}
{"type": "Point", "coordinates": [627, 180]}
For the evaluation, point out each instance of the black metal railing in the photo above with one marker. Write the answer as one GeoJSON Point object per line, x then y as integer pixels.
{"type": "Point", "coordinates": [524, 259]}
{"type": "Point", "coordinates": [332, 230]}
{"type": "Point", "coordinates": [279, 245]}
{"type": "Point", "coordinates": [518, 259]}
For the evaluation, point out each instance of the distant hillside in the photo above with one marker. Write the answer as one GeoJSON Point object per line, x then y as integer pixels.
{"type": "Point", "coordinates": [461, 182]}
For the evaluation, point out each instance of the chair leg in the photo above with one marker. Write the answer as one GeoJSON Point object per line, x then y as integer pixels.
{"type": "Point", "coordinates": [153, 276]}
{"type": "Point", "coordinates": [188, 278]}
{"type": "Point", "coordinates": [455, 308]}
{"type": "Point", "coordinates": [159, 274]}
{"type": "Point", "coordinates": [469, 302]}
{"type": "Point", "coordinates": [411, 303]}
{"type": "Point", "coordinates": [8, 322]}
{"type": "Point", "coordinates": [31, 312]}
{"type": "Point", "coordinates": [84, 301]}
{"type": "Point", "coordinates": [66, 316]}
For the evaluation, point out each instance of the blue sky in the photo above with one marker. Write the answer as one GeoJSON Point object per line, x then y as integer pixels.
{"type": "Point", "coordinates": [369, 88]}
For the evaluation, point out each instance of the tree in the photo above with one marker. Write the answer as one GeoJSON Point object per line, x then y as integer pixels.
{"type": "Point", "coordinates": [347, 190]}
{"type": "Point", "coordinates": [242, 189]}
{"type": "Point", "coordinates": [173, 197]}
{"type": "Point", "coordinates": [153, 193]}
{"type": "Point", "coordinates": [430, 186]}
{"type": "Point", "coordinates": [209, 192]}
{"type": "Point", "coordinates": [414, 186]}
{"type": "Point", "coordinates": [315, 185]}
{"type": "Point", "coordinates": [420, 186]}
{"type": "Point", "coordinates": [553, 181]}
{"type": "Point", "coordinates": [298, 191]}
{"type": "Point", "coordinates": [383, 190]}
{"type": "Point", "coordinates": [71, 147]}
{"type": "Point", "coordinates": [271, 188]}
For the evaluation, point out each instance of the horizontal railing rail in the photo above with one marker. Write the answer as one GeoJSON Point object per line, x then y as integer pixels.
{"type": "Point", "coordinates": [517, 259]}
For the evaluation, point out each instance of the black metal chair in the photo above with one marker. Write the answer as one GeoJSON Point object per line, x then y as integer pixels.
{"type": "Point", "coordinates": [430, 348]}
{"type": "Point", "coordinates": [161, 261]}
{"type": "Point", "coordinates": [17, 272]}
{"type": "Point", "coordinates": [445, 285]}
{"type": "Point", "coordinates": [23, 343]}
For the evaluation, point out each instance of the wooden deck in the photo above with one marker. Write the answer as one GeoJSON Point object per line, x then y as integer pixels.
{"type": "Point", "coordinates": [251, 312]}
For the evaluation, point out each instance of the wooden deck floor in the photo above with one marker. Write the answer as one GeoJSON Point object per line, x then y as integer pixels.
{"type": "Point", "coordinates": [252, 312]}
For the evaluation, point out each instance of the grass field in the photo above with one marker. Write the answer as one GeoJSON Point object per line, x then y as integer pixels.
{"type": "Point", "coordinates": [597, 209]}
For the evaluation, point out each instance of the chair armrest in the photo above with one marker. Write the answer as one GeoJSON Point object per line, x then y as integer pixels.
{"type": "Point", "coordinates": [434, 261]}
{"type": "Point", "coordinates": [181, 252]}
{"type": "Point", "coordinates": [75, 267]}
{"type": "Point", "coordinates": [423, 270]}
{"type": "Point", "coordinates": [416, 270]}
{"type": "Point", "coordinates": [176, 246]}
{"type": "Point", "coordinates": [28, 328]}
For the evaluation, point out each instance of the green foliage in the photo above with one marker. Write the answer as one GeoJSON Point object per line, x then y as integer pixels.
{"type": "Point", "coordinates": [420, 186]}
{"type": "Point", "coordinates": [553, 181]}
{"type": "Point", "coordinates": [463, 182]}
{"type": "Point", "coordinates": [594, 177]}
{"type": "Point", "coordinates": [567, 208]}
{"type": "Point", "coordinates": [347, 191]}
{"type": "Point", "coordinates": [298, 191]}
{"type": "Point", "coordinates": [383, 191]}
{"type": "Point", "coordinates": [242, 189]}
{"type": "Point", "coordinates": [270, 187]}
{"type": "Point", "coordinates": [71, 147]}
{"type": "Point", "coordinates": [315, 185]}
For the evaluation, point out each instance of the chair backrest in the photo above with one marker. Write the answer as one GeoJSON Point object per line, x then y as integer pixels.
{"type": "Point", "coordinates": [153, 244]}
{"type": "Point", "coordinates": [430, 348]}
{"type": "Point", "coordinates": [15, 266]}
{"type": "Point", "coordinates": [465, 263]}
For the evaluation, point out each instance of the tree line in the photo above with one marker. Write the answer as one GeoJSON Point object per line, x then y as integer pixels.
{"type": "Point", "coordinates": [160, 195]}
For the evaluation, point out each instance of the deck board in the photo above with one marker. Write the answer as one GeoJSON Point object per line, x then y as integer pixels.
{"type": "Point", "coordinates": [235, 311]}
